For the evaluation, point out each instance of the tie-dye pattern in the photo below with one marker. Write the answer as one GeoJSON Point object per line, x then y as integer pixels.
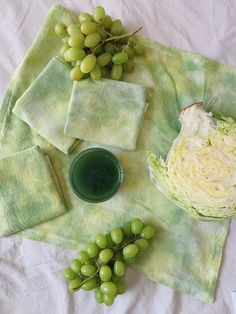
{"type": "Point", "coordinates": [29, 191]}
{"type": "Point", "coordinates": [106, 112]}
{"type": "Point", "coordinates": [44, 105]}
{"type": "Point", "coordinates": [185, 253]}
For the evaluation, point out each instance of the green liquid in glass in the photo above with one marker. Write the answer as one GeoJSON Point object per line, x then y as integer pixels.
{"type": "Point", "coordinates": [95, 175]}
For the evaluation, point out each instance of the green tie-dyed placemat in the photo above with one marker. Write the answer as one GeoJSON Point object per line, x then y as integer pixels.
{"type": "Point", "coordinates": [186, 253]}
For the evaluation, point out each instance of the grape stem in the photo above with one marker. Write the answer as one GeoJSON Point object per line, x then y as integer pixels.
{"type": "Point", "coordinates": [126, 46]}
{"type": "Point", "coordinates": [87, 279]}
{"type": "Point", "coordinates": [123, 36]}
{"type": "Point", "coordinates": [108, 33]}
{"type": "Point", "coordinates": [117, 37]}
{"type": "Point", "coordinates": [128, 242]}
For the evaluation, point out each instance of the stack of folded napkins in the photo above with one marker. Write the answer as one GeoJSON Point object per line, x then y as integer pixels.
{"type": "Point", "coordinates": [105, 112]}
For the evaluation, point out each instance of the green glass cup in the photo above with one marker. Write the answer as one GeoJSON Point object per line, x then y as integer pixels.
{"type": "Point", "coordinates": [95, 175]}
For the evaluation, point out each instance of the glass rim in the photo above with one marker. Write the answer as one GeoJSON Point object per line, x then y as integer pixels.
{"type": "Point", "coordinates": [119, 179]}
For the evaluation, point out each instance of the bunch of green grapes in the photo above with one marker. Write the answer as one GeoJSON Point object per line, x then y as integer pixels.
{"type": "Point", "coordinates": [102, 264]}
{"type": "Point", "coordinates": [97, 46]}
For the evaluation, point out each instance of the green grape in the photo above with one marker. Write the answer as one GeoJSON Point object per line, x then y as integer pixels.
{"type": "Point", "coordinates": [105, 273]}
{"type": "Point", "coordinates": [92, 40]}
{"type": "Point", "coordinates": [101, 241]}
{"type": "Point", "coordinates": [96, 73]}
{"type": "Point", "coordinates": [128, 66]}
{"type": "Point", "coordinates": [101, 31]}
{"type": "Point", "coordinates": [116, 72]}
{"type": "Point", "coordinates": [81, 45]}
{"type": "Point", "coordinates": [119, 268]}
{"type": "Point", "coordinates": [120, 287]}
{"type": "Point", "coordinates": [76, 74]}
{"type": "Point", "coordinates": [127, 229]}
{"type": "Point", "coordinates": [130, 52]}
{"type": "Point", "coordinates": [88, 63]}
{"type": "Point", "coordinates": [137, 226]}
{"type": "Point", "coordinates": [60, 29]}
{"type": "Point", "coordinates": [120, 57]}
{"type": "Point", "coordinates": [116, 28]}
{"type": "Point", "coordinates": [108, 299]}
{"type": "Point", "coordinates": [110, 243]}
{"type": "Point", "coordinates": [63, 49]}
{"type": "Point", "coordinates": [85, 17]}
{"type": "Point", "coordinates": [117, 235]}
{"type": "Point", "coordinates": [73, 64]}
{"type": "Point", "coordinates": [69, 274]}
{"type": "Point", "coordinates": [88, 270]}
{"type": "Point", "coordinates": [129, 260]}
{"type": "Point", "coordinates": [89, 285]}
{"type": "Point", "coordinates": [73, 29]}
{"type": "Point", "coordinates": [98, 50]}
{"type": "Point", "coordinates": [76, 40]}
{"type": "Point", "coordinates": [104, 59]}
{"type": "Point", "coordinates": [98, 296]}
{"type": "Point", "coordinates": [74, 54]}
{"type": "Point", "coordinates": [147, 233]}
{"type": "Point", "coordinates": [109, 47]}
{"type": "Point", "coordinates": [138, 49]}
{"type": "Point", "coordinates": [75, 284]}
{"type": "Point", "coordinates": [130, 250]}
{"type": "Point", "coordinates": [83, 257]}
{"type": "Point", "coordinates": [104, 72]}
{"type": "Point", "coordinates": [105, 255]}
{"type": "Point", "coordinates": [75, 265]}
{"type": "Point", "coordinates": [99, 14]}
{"type": "Point", "coordinates": [88, 27]}
{"type": "Point", "coordinates": [107, 21]}
{"type": "Point", "coordinates": [142, 244]}
{"type": "Point", "coordinates": [108, 288]}
{"type": "Point", "coordinates": [92, 249]}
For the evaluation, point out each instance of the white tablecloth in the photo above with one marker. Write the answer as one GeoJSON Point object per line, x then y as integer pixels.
{"type": "Point", "coordinates": [30, 272]}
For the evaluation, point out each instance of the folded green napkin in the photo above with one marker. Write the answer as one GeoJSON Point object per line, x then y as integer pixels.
{"type": "Point", "coordinates": [106, 112]}
{"type": "Point", "coordinates": [29, 191]}
{"type": "Point", "coordinates": [44, 104]}
{"type": "Point", "coordinates": [185, 253]}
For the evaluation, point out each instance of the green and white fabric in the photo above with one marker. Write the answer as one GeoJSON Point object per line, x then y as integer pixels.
{"type": "Point", "coordinates": [106, 112]}
{"type": "Point", "coordinates": [185, 253]}
{"type": "Point", "coordinates": [44, 105]}
{"type": "Point", "coordinates": [29, 191]}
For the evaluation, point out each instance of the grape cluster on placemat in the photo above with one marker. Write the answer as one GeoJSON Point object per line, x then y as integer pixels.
{"type": "Point", "coordinates": [97, 46]}
{"type": "Point", "coordinates": [102, 264]}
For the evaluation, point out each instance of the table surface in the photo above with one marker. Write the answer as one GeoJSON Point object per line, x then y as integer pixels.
{"type": "Point", "coordinates": [30, 271]}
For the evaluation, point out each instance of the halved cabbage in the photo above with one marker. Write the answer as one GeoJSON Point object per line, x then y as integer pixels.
{"type": "Point", "coordinates": [199, 173]}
